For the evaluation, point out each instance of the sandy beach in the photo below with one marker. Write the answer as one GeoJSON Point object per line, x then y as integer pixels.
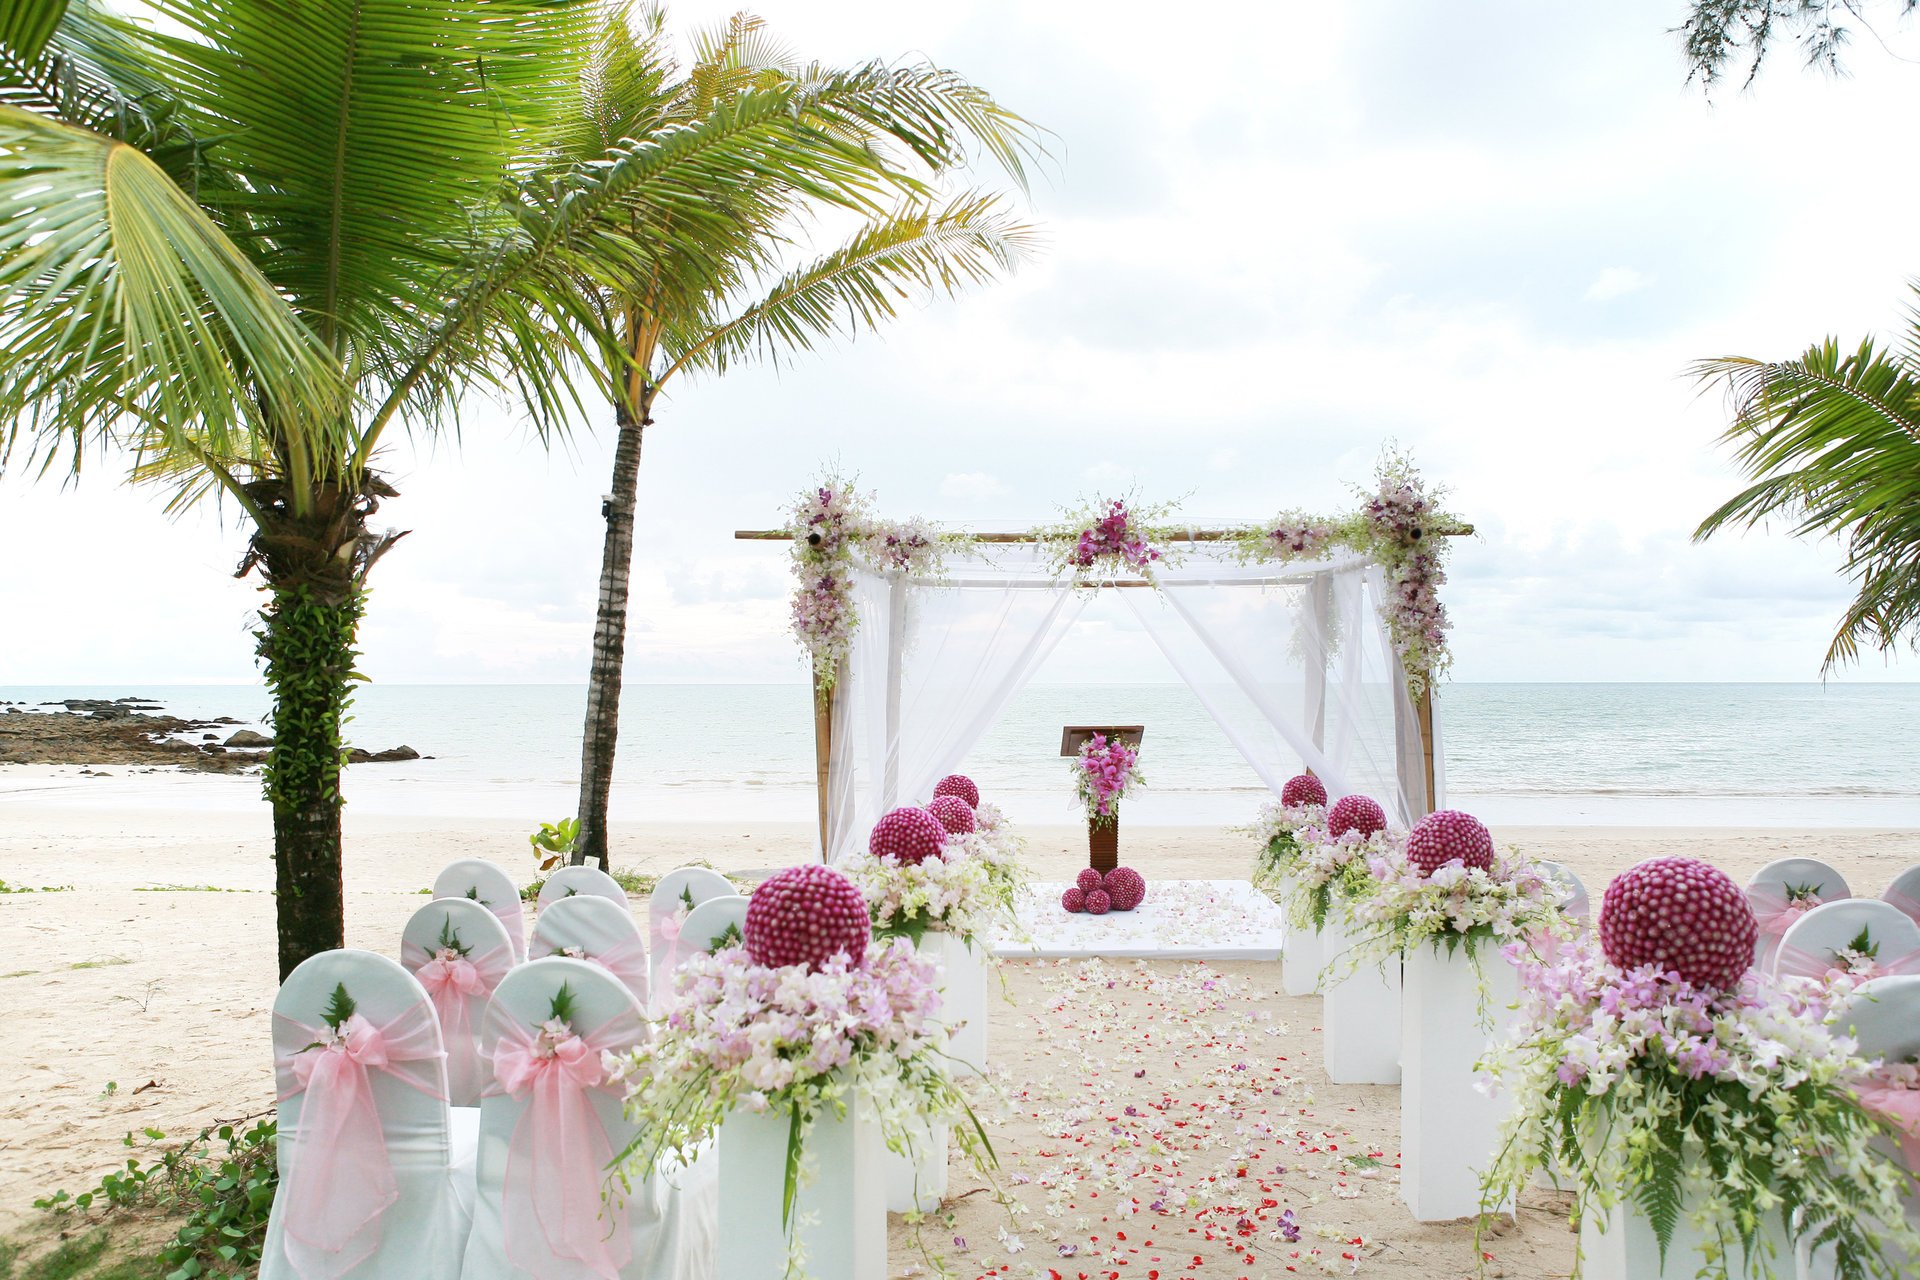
{"type": "Point", "coordinates": [148, 965]}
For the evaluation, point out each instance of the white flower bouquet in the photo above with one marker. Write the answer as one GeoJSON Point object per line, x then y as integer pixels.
{"type": "Point", "coordinates": [1277, 830]}
{"type": "Point", "coordinates": [1331, 872]}
{"type": "Point", "coordinates": [953, 894]}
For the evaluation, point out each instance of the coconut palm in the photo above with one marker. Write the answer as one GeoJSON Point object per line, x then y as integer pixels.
{"type": "Point", "coordinates": [1831, 442]}
{"type": "Point", "coordinates": [737, 286]}
{"type": "Point", "coordinates": [243, 243]}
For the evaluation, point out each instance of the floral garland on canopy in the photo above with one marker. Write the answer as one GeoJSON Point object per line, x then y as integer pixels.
{"type": "Point", "coordinates": [1399, 525]}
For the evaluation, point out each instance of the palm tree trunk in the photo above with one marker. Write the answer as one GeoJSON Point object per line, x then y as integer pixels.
{"type": "Point", "coordinates": [610, 636]}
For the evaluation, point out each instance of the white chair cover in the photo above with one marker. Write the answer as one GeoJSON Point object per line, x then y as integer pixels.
{"type": "Point", "coordinates": [710, 921]}
{"type": "Point", "coordinates": [588, 928]}
{"type": "Point", "coordinates": [582, 881]}
{"type": "Point", "coordinates": [674, 898]}
{"type": "Point", "coordinates": [1883, 1017]}
{"type": "Point", "coordinates": [547, 1136]}
{"type": "Point", "coordinates": [460, 986]}
{"type": "Point", "coordinates": [1781, 892]}
{"type": "Point", "coordinates": [493, 889]}
{"type": "Point", "coordinates": [1813, 942]}
{"type": "Point", "coordinates": [376, 1180]}
{"type": "Point", "coordinates": [1904, 892]}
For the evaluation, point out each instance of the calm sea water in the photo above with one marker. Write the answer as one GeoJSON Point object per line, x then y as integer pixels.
{"type": "Point", "coordinates": [1714, 754]}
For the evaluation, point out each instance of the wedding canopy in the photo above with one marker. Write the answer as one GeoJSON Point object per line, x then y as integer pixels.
{"type": "Point", "coordinates": [1298, 648]}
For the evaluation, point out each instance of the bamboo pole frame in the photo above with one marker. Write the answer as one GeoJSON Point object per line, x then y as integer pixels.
{"type": "Point", "coordinates": [824, 702]}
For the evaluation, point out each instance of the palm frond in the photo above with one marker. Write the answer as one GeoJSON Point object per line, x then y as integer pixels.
{"type": "Point", "coordinates": [914, 255]}
{"type": "Point", "coordinates": [121, 302]}
{"type": "Point", "coordinates": [27, 25]}
{"type": "Point", "coordinates": [1831, 443]}
{"type": "Point", "coordinates": [935, 114]}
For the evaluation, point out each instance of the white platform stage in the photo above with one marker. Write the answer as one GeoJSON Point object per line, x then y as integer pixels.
{"type": "Point", "coordinates": [1180, 920]}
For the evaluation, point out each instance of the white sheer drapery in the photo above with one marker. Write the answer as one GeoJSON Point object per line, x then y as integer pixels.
{"type": "Point", "coordinates": [1292, 661]}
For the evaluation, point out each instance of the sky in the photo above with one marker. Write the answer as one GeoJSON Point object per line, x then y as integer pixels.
{"type": "Point", "coordinates": [1276, 237]}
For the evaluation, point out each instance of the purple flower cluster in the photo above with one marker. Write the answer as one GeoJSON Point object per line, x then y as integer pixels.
{"type": "Point", "coordinates": [1106, 771]}
{"type": "Point", "coordinates": [1113, 537]}
{"type": "Point", "coordinates": [1305, 541]}
{"type": "Point", "coordinates": [1402, 514]}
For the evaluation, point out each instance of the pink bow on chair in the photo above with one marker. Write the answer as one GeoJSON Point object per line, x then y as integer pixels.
{"type": "Point", "coordinates": [1792, 962]}
{"type": "Point", "coordinates": [1899, 1107]}
{"type": "Point", "coordinates": [337, 1179]}
{"type": "Point", "coordinates": [554, 1212]}
{"type": "Point", "coordinates": [1774, 910]}
{"type": "Point", "coordinates": [452, 980]}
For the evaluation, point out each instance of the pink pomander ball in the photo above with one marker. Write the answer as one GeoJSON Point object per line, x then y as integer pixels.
{"type": "Point", "coordinates": [955, 814]}
{"type": "Point", "coordinates": [1125, 887]}
{"type": "Point", "coordinates": [1098, 903]}
{"type": "Point", "coordinates": [960, 785]}
{"type": "Point", "coordinates": [1074, 900]}
{"type": "Point", "coordinates": [1303, 789]}
{"type": "Point", "coordinates": [806, 915]}
{"type": "Point", "coordinates": [1679, 914]}
{"type": "Point", "coordinates": [1088, 880]}
{"type": "Point", "coordinates": [1356, 813]}
{"type": "Point", "coordinates": [908, 836]}
{"type": "Point", "coordinates": [1446, 835]}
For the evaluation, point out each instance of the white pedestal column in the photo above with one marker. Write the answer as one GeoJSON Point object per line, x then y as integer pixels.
{"type": "Point", "coordinates": [1360, 1022]}
{"type": "Point", "coordinates": [1301, 956]}
{"type": "Point", "coordinates": [1621, 1245]}
{"type": "Point", "coordinates": [1449, 1129]}
{"type": "Point", "coordinates": [840, 1217]}
{"type": "Point", "coordinates": [919, 1182]}
{"type": "Point", "coordinates": [963, 998]}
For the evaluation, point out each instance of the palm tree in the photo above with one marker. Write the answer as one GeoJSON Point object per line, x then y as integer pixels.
{"type": "Point", "coordinates": [736, 287]}
{"type": "Point", "coordinates": [1831, 441]}
{"type": "Point", "coordinates": [246, 241]}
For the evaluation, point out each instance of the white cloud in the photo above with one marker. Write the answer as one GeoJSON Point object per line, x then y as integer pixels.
{"type": "Point", "coordinates": [973, 486]}
{"type": "Point", "coordinates": [1616, 282]}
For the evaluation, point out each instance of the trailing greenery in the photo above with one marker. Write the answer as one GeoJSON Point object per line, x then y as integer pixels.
{"type": "Point", "coordinates": [1830, 442]}
{"type": "Point", "coordinates": [307, 650]}
{"type": "Point", "coordinates": [222, 1181]}
{"type": "Point", "coordinates": [1718, 35]}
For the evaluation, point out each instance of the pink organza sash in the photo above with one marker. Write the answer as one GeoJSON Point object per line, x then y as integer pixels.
{"type": "Point", "coordinates": [555, 1222]}
{"type": "Point", "coordinates": [1899, 1107]}
{"type": "Point", "coordinates": [667, 949]}
{"type": "Point", "coordinates": [626, 961]}
{"type": "Point", "coordinates": [454, 986]}
{"type": "Point", "coordinates": [1793, 962]}
{"type": "Point", "coordinates": [1906, 902]}
{"type": "Point", "coordinates": [514, 919]}
{"type": "Point", "coordinates": [1774, 911]}
{"type": "Point", "coordinates": [336, 1177]}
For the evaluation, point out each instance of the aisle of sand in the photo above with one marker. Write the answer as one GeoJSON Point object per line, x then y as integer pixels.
{"type": "Point", "coordinates": [155, 972]}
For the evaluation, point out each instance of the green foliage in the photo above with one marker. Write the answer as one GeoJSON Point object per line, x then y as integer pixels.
{"type": "Point", "coordinates": [730, 937]}
{"type": "Point", "coordinates": [553, 843]}
{"type": "Point", "coordinates": [1719, 34]}
{"type": "Point", "coordinates": [222, 1182]}
{"type": "Point", "coordinates": [308, 650]}
{"type": "Point", "coordinates": [562, 1007]}
{"type": "Point", "coordinates": [27, 888]}
{"type": "Point", "coordinates": [449, 939]}
{"type": "Point", "coordinates": [1830, 442]}
{"type": "Point", "coordinates": [340, 1007]}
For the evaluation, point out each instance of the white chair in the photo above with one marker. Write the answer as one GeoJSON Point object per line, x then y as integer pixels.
{"type": "Point", "coordinates": [376, 1174]}
{"type": "Point", "coordinates": [1574, 900]}
{"type": "Point", "coordinates": [543, 1208]}
{"type": "Point", "coordinates": [581, 881]}
{"type": "Point", "coordinates": [1815, 944]}
{"type": "Point", "coordinates": [491, 887]}
{"type": "Point", "coordinates": [458, 950]}
{"type": "Point", "coordinates": [588, 928]}
{"type": "Point", "coordinates": [1904, 892]}
{"type": "Point", "coordinates": [713, 921]}
{"type": "Point", "coordinates": [1781, 892]}
{"type": "Point", "coordinates": [674, 897]}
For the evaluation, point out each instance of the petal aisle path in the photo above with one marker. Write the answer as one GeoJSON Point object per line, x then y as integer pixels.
{"type": "Point", "coordinates": [1166, 1121]}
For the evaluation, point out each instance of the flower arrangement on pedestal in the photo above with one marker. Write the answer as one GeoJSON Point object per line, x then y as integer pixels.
{"type": "Point", "coordinates": [1450, 889]}
{"type": "Point", "coordinates": [805, 1018]}
{"type": "Point", "coordinates": [1302, 805]}
{"type": "Point", "coordinates": [1103, 774]}
{"type": "Point", "coordinates": [1665, 1077]}
{"type": "Point", "coordinates": [997, 847]}
{"type": "Point", "coordinates": [1331, 872]}
{"type": "Point", "coordinates": [943, 891]}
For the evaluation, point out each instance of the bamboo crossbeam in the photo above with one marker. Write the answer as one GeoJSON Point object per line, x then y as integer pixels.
{"type": "Point", "coordinates": [1196, 535]}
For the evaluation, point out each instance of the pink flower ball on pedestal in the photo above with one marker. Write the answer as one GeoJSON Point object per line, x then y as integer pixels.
{"type": "Point", "coordinates": [955, 814]}
{"type": "Point", "coordinates": [1098, 903]}
{"type": "Point", "coordinates": [1680, 914]}
{"type": "Point", "coordinates": [1088, 880]}
{"type": "Point", "coordinates": [908, 836]}
{"type": "Point", "coordinates": [1448, 835]}
{"type": "Point", "coordinates": [1356, 813]}
{"type": "Point", "coordinates": [1303, 789]}
{"type": "Point", "coordinates": [806, 915]}
{"type": "Point", "coordinates": [1074, 900]}
{"type": "Point", "coordinates": [958, 784]}
{"type": "Point", "coordinates": [1125, 888]}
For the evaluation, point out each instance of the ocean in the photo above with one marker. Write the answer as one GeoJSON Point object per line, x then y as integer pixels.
{"type": "Point", "coordinates": [1616, 754]}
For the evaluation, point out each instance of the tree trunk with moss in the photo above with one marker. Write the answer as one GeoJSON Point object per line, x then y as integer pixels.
{"type": "Point", "coordinates": [610, 637]}
{"type": "Point", "coordinates": [315, 561]}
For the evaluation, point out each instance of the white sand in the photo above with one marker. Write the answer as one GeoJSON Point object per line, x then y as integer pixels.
{"type": "Point", "coordinates": [166, 994]}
